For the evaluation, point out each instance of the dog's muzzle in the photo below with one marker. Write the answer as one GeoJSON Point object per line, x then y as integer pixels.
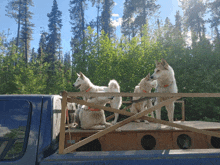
{"type": "Point", "coordinates": [77, 86]}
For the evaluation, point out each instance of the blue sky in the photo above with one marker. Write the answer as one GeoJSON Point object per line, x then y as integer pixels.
{"type": "Point", "coordinates": [42, 7]}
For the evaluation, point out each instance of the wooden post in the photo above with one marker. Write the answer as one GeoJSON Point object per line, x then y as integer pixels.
{"type": "Point", "coordinates": [92, 94]}
{"type": "Point", "coordinates": [62, 123]}
{"type": "Point", "coordinates": [183, 111]}
{"type": "Point", "coordinates": [112, 128]}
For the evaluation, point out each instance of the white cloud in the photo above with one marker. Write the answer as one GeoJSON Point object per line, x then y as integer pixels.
{"type": "Point", "coordinates": [115, 15]}
{"type": "Point", "coordinates": [179, 3]}
{"type": "Point", "coordinates": [188, 38]}
{"type": "Point", "coordinates": [116, 22]}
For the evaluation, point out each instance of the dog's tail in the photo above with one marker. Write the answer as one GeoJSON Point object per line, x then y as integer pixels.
{"type": "Point", "coordinates": [114, 86]}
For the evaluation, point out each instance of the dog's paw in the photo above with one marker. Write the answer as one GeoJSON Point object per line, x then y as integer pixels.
{"type": "Point", "coordinates": [113, 122]}
{"type": "Point", "coordinates": [158, 126]}
{"type": "Point", "coordinates": [146, 122]}
{"type": "Point", "coordinates": [107, 124]}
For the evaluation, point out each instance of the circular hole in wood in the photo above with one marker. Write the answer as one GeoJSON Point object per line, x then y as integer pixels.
{"type": "Point", "coordinates": [215, 141]}
{"type": "Point", "coordinates": [148, 142]}
{"type": "Point", "coordinates": [184, 141]}
{"type": "Point", "coordinates": [91, 146]}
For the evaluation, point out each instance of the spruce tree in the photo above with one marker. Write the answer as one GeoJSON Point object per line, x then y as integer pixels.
{"type": "Point", "coordinates": [77, 17]}
{"type": "Point", "coordinates": [194, 11]}
{"type": "Point", "coordinates": [26, 30]}
{"type": "Point", "coordinates": [214, 9]}
{"type": "Point", "coordinates": [106, 17]}
{"type": "Point", "coordinates": [54, 36]}
{"type": "Point", "coordinates": [136, 14]}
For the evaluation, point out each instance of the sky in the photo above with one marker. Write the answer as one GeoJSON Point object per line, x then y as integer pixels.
{"type": "Point", "coordinates": [42, 7]}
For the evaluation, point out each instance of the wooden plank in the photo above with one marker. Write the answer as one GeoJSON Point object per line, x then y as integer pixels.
{"type": "Point", "coordinates": [134, 101]}
{"type": "Point", "coordinates": [82, 102]}
{"type": "Point", "coordinates": [111, 116]}
{"type": "Point", "coordinates": [210, 133]}
{"type": "Point", "coordinates": [112, 128]}
{"type": "Point", "coordinates": [62, 124]}
{"type": "Point", "coordinates": [91, 94]}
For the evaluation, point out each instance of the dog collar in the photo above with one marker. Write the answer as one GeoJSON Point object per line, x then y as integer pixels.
{"type": "Point", "coordinates": [88, 89]}
{"type": "Point", "coordinates": [93, 109]}
{"type": "Point", "coordinates": [144, 91]}
{"type": "Point", "coordinates": [165, 86]}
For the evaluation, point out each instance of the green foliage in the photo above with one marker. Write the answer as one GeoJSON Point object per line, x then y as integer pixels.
{"type": "Point", "coordinates": [127, 61]}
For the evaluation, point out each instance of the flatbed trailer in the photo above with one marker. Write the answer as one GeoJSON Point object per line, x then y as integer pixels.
{"type": "Point", "coordinates": [127, 135]}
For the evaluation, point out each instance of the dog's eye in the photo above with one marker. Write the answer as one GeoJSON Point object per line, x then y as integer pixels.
{"type": "Point", "coordinates": [158, 71]}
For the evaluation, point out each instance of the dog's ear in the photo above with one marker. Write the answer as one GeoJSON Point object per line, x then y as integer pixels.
{"type": "Point", "coordinates": [82, 76]}
{"type": "Point", "coordinates": [154, 83]}
{"type": "Point", "coordinates": [148, 76]}
{"type": "Point", "coordinates": [78, 74]}
{"type": "Point", "coordinates": [164, 63]}
{"type": "Point", "coordinates": [156, 62]}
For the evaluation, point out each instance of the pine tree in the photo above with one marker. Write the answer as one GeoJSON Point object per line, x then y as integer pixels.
{"type": "Point", "coordinates": [194, 11]}
{"type": "Point", "coordinates": [15, 9]}
{"type": "Point", "coordinates": [33, 56]}
{"type": "Point", "coordinates": [145, 8]}
{"type": "Point", "coordinates": [26, 31]}
{"type": "Point", "coordinates": [77, 17]}
{"type": "Point", "coordinates": [42, 46]}
{"type": "Point", "coordinates": [54, 36]}
{"type": "Point", "coordinates": [106, 17]}
{"type": "Point", "coordinates": [214, 9]}
{"type": "Point", "coordinates": [178, 21]}
{"type": "Point", "coordinates": [136, 14]}
{"type": "Point", "coordinates": [128, 27]}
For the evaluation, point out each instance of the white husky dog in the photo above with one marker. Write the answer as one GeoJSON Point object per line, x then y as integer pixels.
{"type": "Point", "coordinates": [145, 86]}
{"type": "Point", "coordinates": [84, 84]}
{"type": "Point", "coordinates": [166, 83]}
{"type": "Point", "coordinates": [89, 118]}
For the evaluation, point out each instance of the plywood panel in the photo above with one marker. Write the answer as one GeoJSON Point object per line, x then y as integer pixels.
{"type": "Point", "coordinates": [190, 134]}
{"type": "Point", "coordinates": [163, 140]}
{"type": "Point", "coordinates": [119, 141]}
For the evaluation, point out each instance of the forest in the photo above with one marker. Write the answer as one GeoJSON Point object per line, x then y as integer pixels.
{"type": "Point", "coordinates": [101, 55]}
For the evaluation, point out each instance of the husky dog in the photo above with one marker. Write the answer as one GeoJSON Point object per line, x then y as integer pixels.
{"type": "Point", "coordinates": [70, 115]}
{"type": "Point", "coordinates": [166, 83]}
{"type": "Point", "coordinates": [84, 84]}
{"type": "Point", "coordinates": [145, 86]}
{"type": "Point", "coordinates": [89, 118]}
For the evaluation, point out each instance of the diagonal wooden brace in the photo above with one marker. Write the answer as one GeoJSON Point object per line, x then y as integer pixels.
{"type": "Point", "coordinates": [134, 101]}
{"type": "Point", "coordinates": [210, 133]}
{"type": "Point", "coordinates": [112, 128]}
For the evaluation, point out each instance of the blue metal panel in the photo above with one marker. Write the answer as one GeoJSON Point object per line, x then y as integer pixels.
{"type": "Point", "coordinates": [46, 144]}
{"type": "Point", "coordinates": [137, 157]}
{"type": "Point", "coordinates": [31, 151]}
{"type": "Point", "coordinates": [46, 125]}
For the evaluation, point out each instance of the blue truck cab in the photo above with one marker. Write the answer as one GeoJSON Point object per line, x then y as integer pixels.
{"type": "Point", "coordinates": [29, 131]}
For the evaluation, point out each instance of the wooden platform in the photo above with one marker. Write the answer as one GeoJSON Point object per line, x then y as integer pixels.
{"type": "Point", "coordinates": [140, 136]}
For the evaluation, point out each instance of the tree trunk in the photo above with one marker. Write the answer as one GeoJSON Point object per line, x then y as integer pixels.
{"type": "Point", "coordinates": [19, 22]}
{"type": "Point", "coordinates": [83, 26]}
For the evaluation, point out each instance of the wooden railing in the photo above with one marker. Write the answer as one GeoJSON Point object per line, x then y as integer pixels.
{"type": "Point", "coordinates": [171, 97]}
